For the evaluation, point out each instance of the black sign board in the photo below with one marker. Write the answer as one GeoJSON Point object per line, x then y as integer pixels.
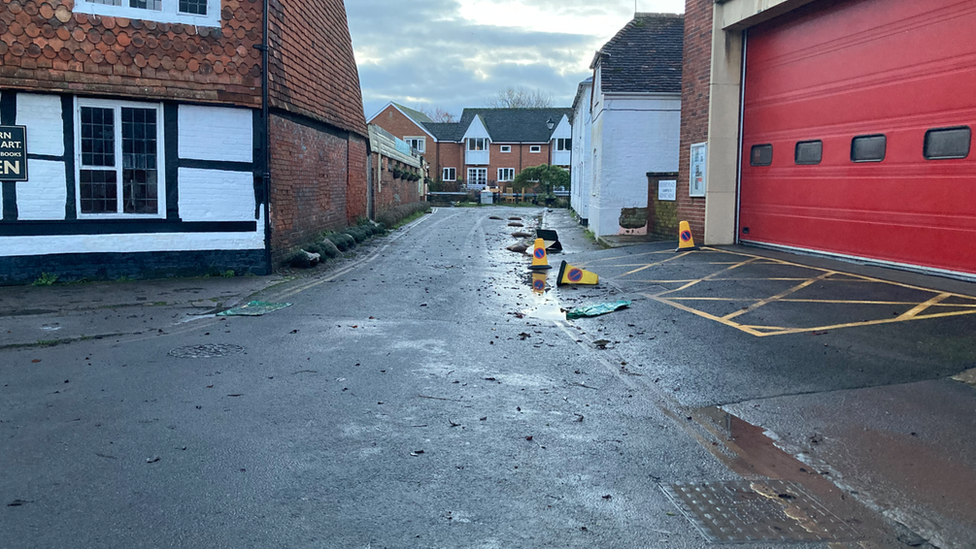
{"type": "Point", "coordinates": [13, 153]}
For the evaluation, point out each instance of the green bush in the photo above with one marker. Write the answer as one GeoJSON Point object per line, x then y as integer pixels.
{"type": "Point", "coordinates": [342, 241]}
{"type": "Point", "coordinates": [358, 234]}
{"type": "Point", "coordinates": [390, 218]}
{"type": "Point", "coordinates": [300, 260]}
{"type": "Point", "coordinates": [321, 249]}
{"type": "Point", "coordinates": [328, 249]}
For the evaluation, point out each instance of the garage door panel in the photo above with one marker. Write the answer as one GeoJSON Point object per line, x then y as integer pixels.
{"type": "Point", "coordinates": [835, 70]}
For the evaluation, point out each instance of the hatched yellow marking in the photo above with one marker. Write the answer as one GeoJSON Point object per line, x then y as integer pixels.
{"type": "Point", "coordinates": [655, 264]}
{"type": "Point", "coordinates": [925, 310]}
{"type": "Point", "coordinates": [779, 296]}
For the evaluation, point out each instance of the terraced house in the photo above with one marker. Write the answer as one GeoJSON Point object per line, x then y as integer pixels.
{"type": "Point", "coordinates": [487, 147]}
{"type": "Point", "coordinates": [160, 140]}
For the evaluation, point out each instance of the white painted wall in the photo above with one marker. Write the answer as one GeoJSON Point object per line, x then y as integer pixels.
{"type": "Point", "coordinates": [121, 243]}
{"type": "Point", "coordinates": [582, 173]}
{"type": "Point", "coordinates": [634, 134]}
{"type": "Point", "coordinates": [45, 127]}
{"type": "Point", "coordinates": [211, 195]}
{"type": "Point", "coordinates": [476, 129]}
{"type": "Point", "coordinates": [43, 197]}
{"type": "Point", "coordinates": [216, 133]}
{"type": "Point", "coordinates": [206, 133]}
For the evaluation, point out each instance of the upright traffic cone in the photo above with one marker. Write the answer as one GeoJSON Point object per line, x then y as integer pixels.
{"type": "Point", "coordinates": [540, 261]}
{"type": "Point", "coordinates": [574, 275]}
{"type": "Point", "coordinates": [686, 242]}
{"type": "Point", "coordinates": [539, 282]}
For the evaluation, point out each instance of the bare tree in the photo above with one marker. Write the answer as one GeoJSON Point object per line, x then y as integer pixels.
{"type": "Point", "coordinates": [520, 98]}
{"type": "Point", "coordinates": [438, 114]}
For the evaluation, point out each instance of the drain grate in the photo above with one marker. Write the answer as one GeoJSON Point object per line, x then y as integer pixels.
{"type": "Point", "coordinates": [760, 510]}
{"type": "Point", "coordinates": [207, 350]}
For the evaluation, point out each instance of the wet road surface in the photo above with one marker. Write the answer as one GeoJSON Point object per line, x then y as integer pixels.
{"type": "Point", "coordinates": [420, 397]}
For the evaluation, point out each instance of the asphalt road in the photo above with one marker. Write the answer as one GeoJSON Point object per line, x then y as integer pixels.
{"type": "Point", "coordinates": [421, 397]}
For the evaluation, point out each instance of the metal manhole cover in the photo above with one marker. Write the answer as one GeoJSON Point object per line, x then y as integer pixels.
{"type": "Point", "coordinates": [207, 350]}
{"type": "Point", "coordinates": [760, 510]}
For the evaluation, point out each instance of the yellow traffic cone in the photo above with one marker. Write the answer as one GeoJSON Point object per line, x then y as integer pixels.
{"type": "Point", "coordinates": [574, 275]}
{"type": "Point", "coordinates": [686, 242]}
{"type": "Point", "coordinates": [540, 261]}
{"type": "Point", "coordinates": [539, 282]}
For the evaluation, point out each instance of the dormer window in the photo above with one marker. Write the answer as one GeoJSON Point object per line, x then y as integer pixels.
{"type": "Point", "coordinates": [204, 13]}
{"type": "Point", "coordinates": [477, 144]}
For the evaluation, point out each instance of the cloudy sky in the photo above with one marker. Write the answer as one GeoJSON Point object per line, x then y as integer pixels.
{"type": "Point", "coordinates": [458, 53]}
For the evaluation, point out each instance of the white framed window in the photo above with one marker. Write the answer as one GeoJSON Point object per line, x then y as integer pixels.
{"type": "Point", "coordinates": [477, 177]}
{"type": "Point", "coordinates": [119, 159]}
{"type": "Point", "coordinates": [564, 144]}
{"type": "Point", "coordinates": [418, 143]}
{"type": "Point", "coordinates": [204, 13]}
{"type": "Point", "coordinates": [477, 144]}
{"type": "Point", "coordinates": [449, 174]}
{"type": "Point", "coordinates": [506, 174]}
{"type": "Point", "coordinates": [506, 148]}
{"type": "Point", "coordinates": [535, 149]}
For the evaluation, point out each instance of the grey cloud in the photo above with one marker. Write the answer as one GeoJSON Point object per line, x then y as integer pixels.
{"type": "Point", "coordinates": [422, 49]}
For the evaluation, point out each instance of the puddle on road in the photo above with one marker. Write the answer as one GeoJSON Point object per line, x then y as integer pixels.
{"type": "Point", "coordinates": [545, 308]}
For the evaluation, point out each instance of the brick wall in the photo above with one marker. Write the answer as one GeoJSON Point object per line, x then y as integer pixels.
{"type": "Point", "coordinates": [357, 184]}
{"type": "Point", "coordinates": [449, 155]}
{"type": "Point", "coordinates": [310, 180]}
{"type": "Point", "coordinates": [695, 80]}
{"type": "Point", "coordinates": [389, 192]}
{"type": "Point", "coordinates": [393, 121]}
{"type": "Point", "coordinates": [313, 71]}
{"type": "Point", "coordinates": [45, 46]}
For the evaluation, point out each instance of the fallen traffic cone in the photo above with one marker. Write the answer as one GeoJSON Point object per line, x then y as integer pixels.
{"type": "Point", "coordinates": [540, 262]}
{"type": "Point", "coordinates": [551, 239]}
{"type": "Point", "coordinates": [574, 275]}
{"type": "Point", "coordinates": [539, 282]}
{"type": "Point", "coordinates": [686, 242]}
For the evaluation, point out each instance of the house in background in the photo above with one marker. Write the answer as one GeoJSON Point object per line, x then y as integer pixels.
{"type": "Point", "coordinates": [581, 174]}
{"type": "Point", "coordinates": [146, 144]}
{"type": "Point", "coordinates": [487, 147]}
{"type": "Point", "coordinates": [636, 116]}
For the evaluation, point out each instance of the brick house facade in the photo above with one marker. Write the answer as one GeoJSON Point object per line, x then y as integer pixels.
{"type": "Point", "coordinates": [145, 135]}
{"type": "Point", "coordinates": [515, 139]}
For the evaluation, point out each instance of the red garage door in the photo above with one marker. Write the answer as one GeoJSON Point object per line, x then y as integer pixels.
{"type": "Point", "coordinates": [857, 132]}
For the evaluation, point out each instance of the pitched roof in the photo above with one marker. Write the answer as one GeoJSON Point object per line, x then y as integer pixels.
{"type": "Point", "coordinates": [645, 56]}
{"type": "Point", "coordinates": [583, 86]}
{"type": "Point", "coordinates": [516, 125]}
{"type": "Point", "coordinates": [445, 131]}
{"type": "Point", "coordinates": [417, 116]}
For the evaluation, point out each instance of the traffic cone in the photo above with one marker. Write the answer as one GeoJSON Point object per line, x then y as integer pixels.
{"type": "Point", "coordinates": [551, 239]}
{"type": "Point", "coordinates": [574, 275]}
{"type": "Point", "coordinates": [686, 242]}
{"type": "Point", "coordinates": [539, 282]}
{"type": "Point", "coordinates": [540, 262]}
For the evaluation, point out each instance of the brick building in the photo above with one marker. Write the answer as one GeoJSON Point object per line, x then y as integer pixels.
{"type": "Point", "coordinates": [146, 141]}
{"type": "Point", "coordinates": [840, 128]}
{"type": "Point", "coordinates": [487, 147]}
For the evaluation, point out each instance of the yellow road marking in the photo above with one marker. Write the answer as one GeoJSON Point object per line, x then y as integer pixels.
{"type": "Point", "coordinates": [915, 313]}
{"type": "Point", "coordinates": [655, 264]}
{"type": "Point", "coordinates": [779, 296]}
{"type": "Point", "coordinates": [703, 314]}
{"type": "Point", "coordinates": [922, 306]}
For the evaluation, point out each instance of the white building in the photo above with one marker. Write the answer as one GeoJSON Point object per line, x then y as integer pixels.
{"type": "Point", "coordinates": [636, 122]}
{"type": "Point", "coordinates": [582, 174]}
